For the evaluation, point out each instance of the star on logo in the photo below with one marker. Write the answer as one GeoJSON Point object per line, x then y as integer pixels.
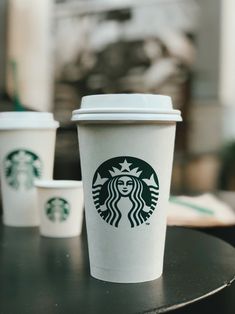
{"type": "Point", "coordinates": [99, 180]}
{"type": "Point", "coordinates": [150, 181]}
{"type": "Point", "coordinates": [125, 165]}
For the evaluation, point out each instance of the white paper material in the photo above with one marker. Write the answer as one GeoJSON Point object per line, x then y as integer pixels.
{"type": "Point", "coordinates": [201, 211]}
{"type": "Point", "coordinates": [25, 155]}
{"type": "Point", "coordinates": [61, 211]}
{"type": "Point", "coordinates": [125, 253]}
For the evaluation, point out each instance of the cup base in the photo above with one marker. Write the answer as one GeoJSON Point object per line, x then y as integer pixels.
{"type": "Point", "coordinates": [60, 236]}
{"type": "Point", "coordinates": [126, 276]}
{"type": "Point", "coordinates": [20, 225]}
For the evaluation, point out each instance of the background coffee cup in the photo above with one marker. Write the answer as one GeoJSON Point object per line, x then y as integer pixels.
{"type": "Point", "coordinates": [27, 145]}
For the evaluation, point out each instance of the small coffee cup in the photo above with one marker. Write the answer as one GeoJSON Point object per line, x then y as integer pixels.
{"type": "Point", "coordinates": [61, 207]}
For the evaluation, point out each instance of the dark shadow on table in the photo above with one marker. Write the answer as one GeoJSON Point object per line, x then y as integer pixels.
{"type": "Point", "coordinates": [222, 302]}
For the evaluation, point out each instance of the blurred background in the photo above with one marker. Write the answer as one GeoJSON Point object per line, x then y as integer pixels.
{"type": "Point", "coordinates": [54, 52]}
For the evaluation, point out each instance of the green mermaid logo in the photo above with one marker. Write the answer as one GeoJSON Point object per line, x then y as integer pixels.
{"type": "Point", "coordinates": [57, 209]}
{"type": "Point", "coordinates": [125, 187]}
{"type": "Point", "coordinates": [22, 167]}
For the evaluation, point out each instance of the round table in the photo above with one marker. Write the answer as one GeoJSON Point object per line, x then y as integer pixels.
{"type": "Point", "coordinates": [45, 275]}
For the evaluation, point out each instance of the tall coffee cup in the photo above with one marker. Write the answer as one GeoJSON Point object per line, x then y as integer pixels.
{"type": "Point", "coordinates": [126, 147]}
{"type": "Point", "coordinates": [27, 145]}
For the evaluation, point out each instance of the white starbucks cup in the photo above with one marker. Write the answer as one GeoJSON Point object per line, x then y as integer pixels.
{"type": "Point", "coordinates": [126, 146]}
{"type": "Point", "coordinates": [61, 207]}
{"type": "Point", "coordinates": [27, 145]}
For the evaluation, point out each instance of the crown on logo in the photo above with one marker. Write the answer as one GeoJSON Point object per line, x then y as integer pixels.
{"type": "Point", "coordinates": [125, 170]}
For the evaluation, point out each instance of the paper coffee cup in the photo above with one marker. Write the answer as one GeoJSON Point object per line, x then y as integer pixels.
{"type": "Point", "coordinates": [61, 207]}
{"type": "Point", "coordinates": [27, 145]}
{"type": "Point", "coordinates": [126, 146]}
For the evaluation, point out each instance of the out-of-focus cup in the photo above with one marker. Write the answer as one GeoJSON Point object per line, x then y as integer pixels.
{"type": "Point", "coordinates": [126, 146]}
{"type": "Point", "coordinates": [27, 146]}
{"type": "Point", "coordinates": [61, 207]}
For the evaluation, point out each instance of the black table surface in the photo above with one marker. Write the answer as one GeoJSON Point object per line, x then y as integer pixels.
{"type": "Point", "coordinates": [45, 275]}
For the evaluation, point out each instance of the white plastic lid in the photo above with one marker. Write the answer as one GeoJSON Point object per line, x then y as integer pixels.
{"type": "Point", "coordinates": [27, 120]}
{"type": "Point", "coordinates": [58, 184]}
{"type": "Point", "coordinates": [126, 107]}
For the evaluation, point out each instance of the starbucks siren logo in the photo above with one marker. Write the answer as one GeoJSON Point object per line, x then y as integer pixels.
{"type": "Point", "coordinates": [21, 168]}
{"type": "Point", "coordinates": [125, 189]}
{"type": "Point", "coordinates": [57, 209]}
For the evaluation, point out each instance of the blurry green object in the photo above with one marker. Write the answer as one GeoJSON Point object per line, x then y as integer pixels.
{"type": "Point", "coordinates": [226, 180]}
{"type": "Point", "coordinates": [16, 99]}
{"type": "Point", "coordinates": [198, 208]}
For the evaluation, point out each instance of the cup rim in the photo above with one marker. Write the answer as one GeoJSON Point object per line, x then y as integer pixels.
{"type": "Point", "coordinates": [126, 107]}
{"type": "Point", "coordinates": [58, 184]}
{"type": "Point", "coordinates": [14, 120]}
